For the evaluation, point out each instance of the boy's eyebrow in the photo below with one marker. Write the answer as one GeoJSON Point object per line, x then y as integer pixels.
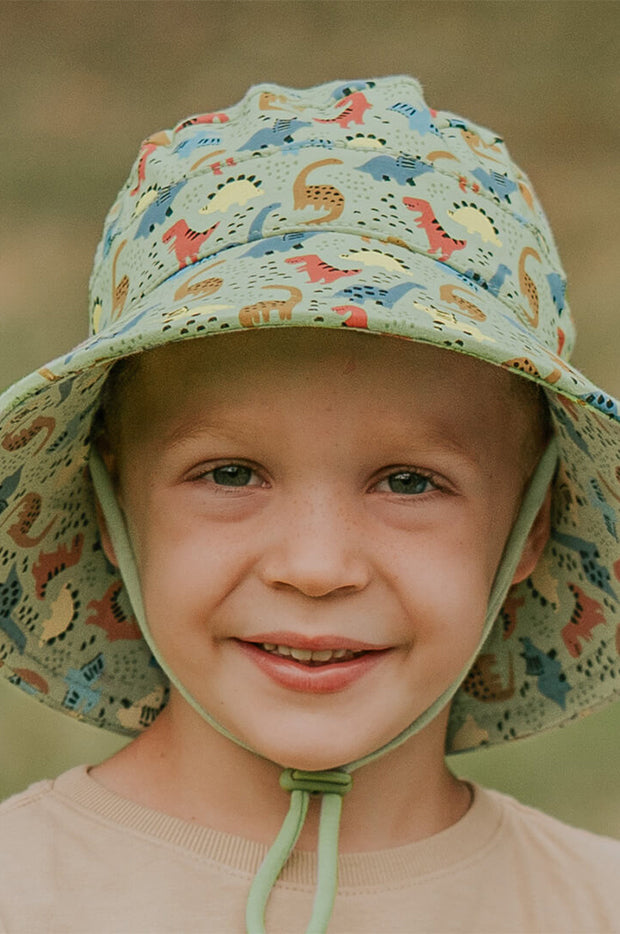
{"type": "Point", "coordinates": [434, 441]}
{"type": "Point", "coordinates": [183, 432]}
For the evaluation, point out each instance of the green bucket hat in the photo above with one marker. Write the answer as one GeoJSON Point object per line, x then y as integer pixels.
{"type": "Point", "coordinates": [348, 205]}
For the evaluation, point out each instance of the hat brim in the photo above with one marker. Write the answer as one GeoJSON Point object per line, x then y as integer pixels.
{"type": "Point", "coordinates": [67, 634]}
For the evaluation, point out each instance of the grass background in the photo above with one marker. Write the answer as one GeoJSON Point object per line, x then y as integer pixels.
{"type": "Point", "coordinates": [82, 82]}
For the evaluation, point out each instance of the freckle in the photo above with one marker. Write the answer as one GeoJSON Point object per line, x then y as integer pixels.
{"type": "Point", "coordinates": [349, 367]}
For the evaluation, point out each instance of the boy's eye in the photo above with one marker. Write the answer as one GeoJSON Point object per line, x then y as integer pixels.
{"type": "Point", "coordinates": [232, 475]}
{"type": "Point", "coordinates": [406, 482]}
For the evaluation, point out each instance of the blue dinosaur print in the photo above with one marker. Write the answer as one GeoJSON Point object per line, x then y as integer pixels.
{"type": "Point", "coordinates": [497, 183]}
{"type": "Point", "coordinates": [596, 498]}
{"type": "Point", "coordinates": [256, 227]}
{"type": "Point", "coordinates": [492, 285]}
{"type": "Point", "coordinates": [296, 146]}
{"type": "Point", "coordinates": [64, 389]}
{"type": "Point", "coordinates": [343, 90]}
{"type": "Point", "coordinates": [280, 244]}
{"type": "Point", "coordinates": [10, 594]}
{"type": "Point", "coordinates": [589, 554]}
{"type": "Point", "coordinates": [602, 402]}
{"type": "Point", "coordinates": [80, 695]}
{"type": "Point", "coordinates": [566, 423]}
{"type": "Point", "coordinates": [187, 146]}
{"type": "Point", "coordinates": [421, 121]}
{"type": "Point", "coordinates": [386, 297]}
{"type": "Point", "coordinates": [8, 487]}
{"type": "Point", "coordinates": [547, 669]}
{"type": "Point", "coordinates": [161, 208]}
{"type": "Point", "coordinates": [403, 169]}
{"type": "Point", "coordinates": [497, 279]}
{"type": "Point", "coordinates": [110, 235]}
{"type": "Point", "coordinates": [276, 135]}
{"type": "Point", "coordinates": [557, 285]}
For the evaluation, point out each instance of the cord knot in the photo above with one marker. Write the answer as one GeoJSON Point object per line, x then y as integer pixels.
{"type": "Point", "coordinates": [334, 782]}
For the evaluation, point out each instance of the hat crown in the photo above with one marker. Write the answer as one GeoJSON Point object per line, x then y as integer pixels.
{"type": "Point", "coordinates": [367, 157]}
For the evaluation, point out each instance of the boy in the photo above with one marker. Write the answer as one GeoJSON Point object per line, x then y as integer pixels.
{"type": "Point", "coordinates": [302, 562]}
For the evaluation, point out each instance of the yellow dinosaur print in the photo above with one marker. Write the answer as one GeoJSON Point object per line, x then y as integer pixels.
{"type": "Point", "coordinates": [236, 192]}
{"type": "Point", "coordinates": [63, 609]}
{"type": "Point", "coordinates": [474, 220]}
{"type": "Point", "coordinates": [469, 735]}
{"type": "Point", "coordinates": [196, 312]}
{"type": "Point", "coordinates": [446, 319]}
{"type": "Point", "coordinates": [142, 713]}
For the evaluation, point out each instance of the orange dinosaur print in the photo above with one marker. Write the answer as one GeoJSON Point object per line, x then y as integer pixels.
{"type": "Point", "coordinates": [586, 615]}
{"type": "Point", "coordinates": [508, 613]}
{"type": "Point", "coordinates": [477, 145]}
{"type": "Point", "coordinates": [269, 101]}
{"type": "Point", "coordinates": [357, 317]}
{"type": "Point", "coordinates": [15, 440]}
{"type": "Point", "coordinates": [354, 106]}
{"type": "Point", "coordinates": [33, 678]}
{"type": "Point", "coordinates": [29, 510]}
{"type": "Point", "coordinates": [119, 290]}
{"type": "Point", "coordinates": [438, 240]}
{"type": "Point", "coordinates": [186, 242]}
{"type": "Point", "coordinates": [318, 196]}
{"type": "Point", "coordinates": [109, 616]}
{"type": "Point", "coordinates": [318, 270]}
{"type": "Point", "coordinates": [250, 315]}
{"type": "Point", "coordinates": [203, 118]}
{"type": "Point", "coordinates": [448, 293]}
{"type": "Point", "coordinates": [203, 287]}
{"type": "Point", "coordinates": [216, 167]}
{"type": "Point", "coordinates": [50, 564]}
{"type": "Point", "coordinates": [528, 287]}
{"type": "Point", "coordinates": [485, 684]}
{"type": "Point", "coordinates": [148, 146]}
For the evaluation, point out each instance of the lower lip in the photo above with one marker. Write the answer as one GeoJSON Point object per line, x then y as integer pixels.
{"type": "Point", "coordinates": [327, 678]}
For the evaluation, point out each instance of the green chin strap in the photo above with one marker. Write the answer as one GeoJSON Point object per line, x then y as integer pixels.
{"type": "Point", "coordinates": [331, 785]}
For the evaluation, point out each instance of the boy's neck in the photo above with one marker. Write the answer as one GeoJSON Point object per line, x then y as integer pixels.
{"type": "Point", "coordinates": [198, 775]}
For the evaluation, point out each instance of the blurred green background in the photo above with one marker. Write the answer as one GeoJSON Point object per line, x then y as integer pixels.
{"type": "Point", "coordinates": [81, 83]}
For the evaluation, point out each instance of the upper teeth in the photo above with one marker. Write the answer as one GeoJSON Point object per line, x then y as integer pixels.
{"type": "Point", "coordinates": [308, 655]}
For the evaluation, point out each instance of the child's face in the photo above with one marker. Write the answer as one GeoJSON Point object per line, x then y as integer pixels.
{"type": "Point", "coordinates": [318, 492]}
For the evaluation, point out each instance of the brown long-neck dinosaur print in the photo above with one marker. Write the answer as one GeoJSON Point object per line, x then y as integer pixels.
{"type": "Point", "coordinates": [528, 286]}
{"type": "Point", "coordinates": [318, 196]}
{"type": "Point", "coordinates": [449, 294]}
{"type": "Point", "coordinates": [28, 509]}
{"type": "Point", "coordinates": [13, 441]}
{"type": "Point", "coordinates": [120, 289]}
{"type": "Point", "coordinates": [250, 315]}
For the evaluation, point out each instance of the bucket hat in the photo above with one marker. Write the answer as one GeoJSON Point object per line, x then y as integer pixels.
{"type": "Point", "coordinates": [348, 205]}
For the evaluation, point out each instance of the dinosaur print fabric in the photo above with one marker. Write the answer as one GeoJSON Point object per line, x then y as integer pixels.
{"type": "Point", "coordinates": [343, 206]}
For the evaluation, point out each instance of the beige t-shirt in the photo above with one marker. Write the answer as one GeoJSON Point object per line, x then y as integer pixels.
{"type": "Point", "coordinates": [75, 857]}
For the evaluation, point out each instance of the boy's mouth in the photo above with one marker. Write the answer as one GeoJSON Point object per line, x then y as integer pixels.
{"type": "Point", "coordinates": [312, 657]}
{"type": "Point", "coordinates": [317, 665]}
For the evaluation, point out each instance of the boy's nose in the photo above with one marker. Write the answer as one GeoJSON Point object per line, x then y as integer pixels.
{"type": "Point", "coordinates": [318, 550]}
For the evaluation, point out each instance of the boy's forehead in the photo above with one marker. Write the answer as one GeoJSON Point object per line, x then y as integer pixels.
{"type": "Point", "coordinates": [296, 351]}
{"type": "Point", "coordinates": [314, 365]}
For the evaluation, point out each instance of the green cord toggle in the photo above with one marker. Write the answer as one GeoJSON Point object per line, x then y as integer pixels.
{"type": "Point", "coordinates": [336, 782]}
{"type": "Point", "coordinates": [333, 785]}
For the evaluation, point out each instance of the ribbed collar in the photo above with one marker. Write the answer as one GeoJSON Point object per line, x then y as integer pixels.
{"type": "Point", "coordinates": [393, 868]}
